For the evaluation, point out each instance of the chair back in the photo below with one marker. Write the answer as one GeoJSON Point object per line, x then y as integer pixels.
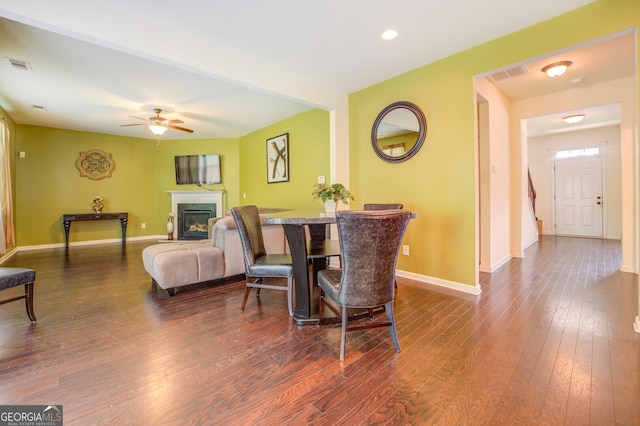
{"type": "Point", "coordinates": [248, 222]}
{"type": "Point", "coordinates": [369, 244]}
{"type": "Point", "coordinates": [378, 206]}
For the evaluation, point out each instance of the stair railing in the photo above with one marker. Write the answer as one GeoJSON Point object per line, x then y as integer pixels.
{"type": "Point", "coordinates": [532, 194]}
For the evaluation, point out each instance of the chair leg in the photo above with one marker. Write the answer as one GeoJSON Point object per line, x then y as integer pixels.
{"type": "Point", "coordinates": [246, 296]}
{"type": "Point", "coordinates": [388, 308]}
{"type": "Point", "coordinates": [28, 301]}
{"type": "Point", "coordinates": [343, 333]}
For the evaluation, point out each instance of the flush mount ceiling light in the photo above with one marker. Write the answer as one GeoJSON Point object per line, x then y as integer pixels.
{"type": "Point", "coordinates": [157, 130]}
{"type": "Point", "coordinates": [573, 119]}
{"type": "Point", "coordinates": [389, 35]}
{"type": "Point", "coordinates": [557, 68]}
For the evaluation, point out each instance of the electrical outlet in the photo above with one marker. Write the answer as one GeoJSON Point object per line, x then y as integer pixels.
{"type": "Point", "coordinates": [22, 154]}
{"type": "Point", "coordinates": [244, 195]}
{"type": "Point", "coordinates": [405, 250]}
{"type": "Point", "coordinates": [320, 179]}
{"type": "Point", "coordinates": [143, 225]}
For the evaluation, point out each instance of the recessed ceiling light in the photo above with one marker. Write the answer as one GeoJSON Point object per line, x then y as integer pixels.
{"type": "Point", "coordinates": [389, 35]}
{"type": "Point", "coordinates": [573, 119]}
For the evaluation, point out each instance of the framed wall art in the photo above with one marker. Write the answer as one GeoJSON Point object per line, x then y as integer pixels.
{"type": "Point", "coordinates": [95, 164]}
{"type": "Point", "coordinates": [278, 159]}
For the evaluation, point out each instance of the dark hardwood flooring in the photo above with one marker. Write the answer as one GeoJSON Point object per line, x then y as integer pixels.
{"type": "Point", "coordinates": [549, 341]}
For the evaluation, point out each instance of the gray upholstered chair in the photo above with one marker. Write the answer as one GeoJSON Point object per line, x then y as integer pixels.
{"type": "Point", "coordinates": [369, 243]}
{"type": "Point", "coordinates": [382, 206]}
{"type": "Point", "coordinates": [257, 263]}
{"type": "Point", "coordinates": [13, 277]}
{"type": "Point", "coordinates": [379, 206]}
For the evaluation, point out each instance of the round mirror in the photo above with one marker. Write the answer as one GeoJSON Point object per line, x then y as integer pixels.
{"type": "Point", "coordinates": [398, 132]}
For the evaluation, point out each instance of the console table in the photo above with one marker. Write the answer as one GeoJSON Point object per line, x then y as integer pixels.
{"type": "Point", "coordinates": [68, 218]}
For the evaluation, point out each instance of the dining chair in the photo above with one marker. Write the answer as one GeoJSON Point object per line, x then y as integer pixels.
{"type": "Point", "coordinates": [258, 263]}
{"type": "Point", "coordinates": [369, 243]}
{"type": "Point", "coordinates": [12, 277]}
{"type": "Point", "coordinates": [381, 206]}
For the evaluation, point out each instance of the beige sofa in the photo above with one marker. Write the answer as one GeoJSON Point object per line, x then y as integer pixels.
{"type": "Point", "coordinates": [175, 264]}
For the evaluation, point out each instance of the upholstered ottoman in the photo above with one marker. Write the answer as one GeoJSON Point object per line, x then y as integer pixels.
{"type": "Point", "coordinates": [176, 264]}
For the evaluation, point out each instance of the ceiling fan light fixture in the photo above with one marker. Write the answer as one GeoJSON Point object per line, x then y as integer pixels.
{"type": "Point", "coordinates": [573, 119]}
{"type": "Point", "coordinates": [556, 69]}
{"type": "Point", "coordinates": [157, 130]}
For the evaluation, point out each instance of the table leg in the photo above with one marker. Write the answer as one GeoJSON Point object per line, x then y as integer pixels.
{"type": "Point", "coordinates": [123, 224]}
{"type": "Point", "coordinates": [302, 291]}
{"type": "Point", "coordinates": [67, 225]}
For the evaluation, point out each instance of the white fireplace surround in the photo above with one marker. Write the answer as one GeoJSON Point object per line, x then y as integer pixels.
{"type": "Point", "coordinates": [195, 197]}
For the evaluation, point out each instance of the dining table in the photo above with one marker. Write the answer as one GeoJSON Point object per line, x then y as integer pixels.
{"type": "Point", "coordinates": [309, 245]}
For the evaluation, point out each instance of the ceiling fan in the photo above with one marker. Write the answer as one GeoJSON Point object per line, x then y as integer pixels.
{"type": "Point", "coordinates": [158, 125]}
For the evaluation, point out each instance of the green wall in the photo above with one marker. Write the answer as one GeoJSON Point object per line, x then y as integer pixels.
{"type": "Point", "coordinates": [439, 183]}
{"type": "Point", "coordinates": [48, 184]}
{"type": "Point", "coordinates": [166, 179]}
{"type": "Point", "coordinates": [309, 158]}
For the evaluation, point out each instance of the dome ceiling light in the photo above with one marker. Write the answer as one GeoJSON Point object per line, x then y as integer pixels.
{"type": "Point", "coordinates": [573, 119]}
{"type": "Point", "coordinates": [556, 69]}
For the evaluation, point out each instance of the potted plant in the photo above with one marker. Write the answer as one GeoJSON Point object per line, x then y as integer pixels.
{"type": "Point", "coordinates": [331, 195]}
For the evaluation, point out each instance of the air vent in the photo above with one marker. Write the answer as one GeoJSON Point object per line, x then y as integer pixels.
{"type": "Point", "coordinates": [18, 64]}
{"type": "Point", "coordinates": [40, 107]}
{"type": "Point", "coordinates": [510, 73]}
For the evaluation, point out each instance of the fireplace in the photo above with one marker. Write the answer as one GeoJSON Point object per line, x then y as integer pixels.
{"type": "Point", "coordinates": [192, 210]}
{"type": "Point", "coordinates": [193, 220]}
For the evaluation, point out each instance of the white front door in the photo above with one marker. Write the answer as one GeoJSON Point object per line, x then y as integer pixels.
{"type": "Point", "coordinates": [578, 197]}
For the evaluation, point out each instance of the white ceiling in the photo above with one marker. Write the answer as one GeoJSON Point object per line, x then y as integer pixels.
{"type": "Point", "coordinates": [229, 68]}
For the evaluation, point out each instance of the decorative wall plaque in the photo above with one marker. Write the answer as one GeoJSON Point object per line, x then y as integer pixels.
{"type": "Point", "coordinates": [95, 164]}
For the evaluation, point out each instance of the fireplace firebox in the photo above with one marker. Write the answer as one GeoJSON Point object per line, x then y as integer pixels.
{"type": "Point", "coordinates": [193, 220]}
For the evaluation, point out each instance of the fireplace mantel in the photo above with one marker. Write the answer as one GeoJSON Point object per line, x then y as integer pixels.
{"type": "Point", "coordinates": [180, 197]}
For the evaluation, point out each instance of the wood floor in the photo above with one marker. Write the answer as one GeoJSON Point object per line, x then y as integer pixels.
{"type": "Point", "coordinates": [549, 341]}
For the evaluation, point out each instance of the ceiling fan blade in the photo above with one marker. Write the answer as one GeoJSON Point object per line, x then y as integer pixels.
{"type": "Point", "coordinates": [171, 126]}
{"type": "Point", "coordinates": [127, 125]}
{"type": "Point", "coordinates": [175, 121]}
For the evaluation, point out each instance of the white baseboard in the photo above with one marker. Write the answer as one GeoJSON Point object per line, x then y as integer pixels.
{"type": "Point", "coordinates": [636, 325]}
{"type": "Point", "coordinates": [465, 288]}
{"type": "Point", "coordinates": [496, 265]}
{"type": "Point", "coordinates": [628, 268]}
{"type": "Point", "coordinates": [75, 244]}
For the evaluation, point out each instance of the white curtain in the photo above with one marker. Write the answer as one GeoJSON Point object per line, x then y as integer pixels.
{"type": "Point", "coordinates": [7, 237]}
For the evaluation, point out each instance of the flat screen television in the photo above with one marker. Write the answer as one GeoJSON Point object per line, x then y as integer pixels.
{"type": "Point", "coordinates": [197, 169]}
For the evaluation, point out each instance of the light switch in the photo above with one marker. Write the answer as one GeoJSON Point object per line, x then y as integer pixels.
{"type": "Point", "coordinates": [320, 179]}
